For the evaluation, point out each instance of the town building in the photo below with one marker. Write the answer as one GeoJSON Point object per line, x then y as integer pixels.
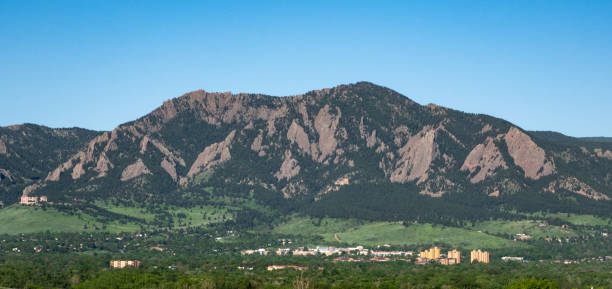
{"type": "Point", "coordinates": [120, 264]}
{"type": "Point", "coordinates": [479, 256]}
{"type": "Point", "coordinates": [433, 253]}
{"type": "Point", "coordinates": [26, 200]}
{"type": "Point", "coordinates": [513, 259]}
{"type": "Point", "coordinates": [454, 254]}
{"type": "Point", "coordinates": [281, 267]}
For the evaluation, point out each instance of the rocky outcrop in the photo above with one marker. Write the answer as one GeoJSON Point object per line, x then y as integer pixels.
{"type": "Point", "coordinates": [289, 168]}
{"type": "Point", "coordinates": [134, 170]}
{"type": "Point", "coordinates": [296, 134]}
{"type": "Point", "coordinates": [576, 186]}
{"type": "Point", "coordinates": [167, 153]}
{"type": "Point", "coordinates": [103, 165]}
{"type": "Point", "coordinates": [483, 161]}
{"type": "Point", "coordinates": [3, 149]}
{"type": "Point", "coordinates": [5, 175]}
{"type": "Point", "coordinates": [607, 154]}
{"type": "Point", "coordinates": [528, 155]}
{"type": "Point", "coordinates": [170, 168]}
{"type": "Point", "coordinates": [212, 155]}
{"type": "Point", "coordinates": [415, 157]}
{"type": "Point", "coordinates": [326, 124]}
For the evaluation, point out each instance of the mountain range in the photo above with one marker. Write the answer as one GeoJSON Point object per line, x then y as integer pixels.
{"type": "Point", "coordinates": [358, 150]}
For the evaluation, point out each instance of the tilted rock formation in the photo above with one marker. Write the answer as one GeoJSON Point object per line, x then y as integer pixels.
{"type": "Point", "coordinates": [212, 155]}
{"type": "Point", "coordinates": [296, 134]}
{"type": "Point", "coordinates": [528, 155]}
{"type": "Point", "coordinates": [326, 124]}
{"type": "Point", "coordinates": [289, 168]}
{"type": "Point", "coordinates": [3, 149]}
{"type": "Point", "coordinates": [5, 175]}
{"type": "Point", "coordinates": [134, 170]}
{"type": "Point", "coordinates": [483, 160]}
{"type": "Point", "coordinates": [415, 157]}
{"type": "Point", "coordinates": [304, 144]}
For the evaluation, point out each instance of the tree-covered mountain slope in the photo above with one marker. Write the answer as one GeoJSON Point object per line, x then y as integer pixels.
{"type": "Point", "coordinates": [28, 152]}
{"type": "Point", "coordinates": [357, 150]}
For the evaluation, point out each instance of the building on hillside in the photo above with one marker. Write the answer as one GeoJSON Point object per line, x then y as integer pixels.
{"type": "Point", "coordinates": [513, 259]}
{"type": "Point", "coordinates": [479, 256]}
{"type": "Point", "coordinates": [433, 253]}
{"type": "Point", "coordinates": [454, 254]}
{"type": "Point", "coordinates": [120, 264]}
{"type": "Point", "coordinates": [283, 251]}
{"type": "Point", "coordinates": [26, 200]}
{"type": "Point", "coordinates": [448, 261]}
{"type": "Point", "coordinates": [281, 267]}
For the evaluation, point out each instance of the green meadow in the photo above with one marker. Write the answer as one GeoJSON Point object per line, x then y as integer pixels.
{"type": "Point", "coordinates": [380, 233]}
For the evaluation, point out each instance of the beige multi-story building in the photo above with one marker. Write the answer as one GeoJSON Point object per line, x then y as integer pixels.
{"type": "Point", "coordinates": [479, 256]}
{"type": "Point", "coordinates": [120, 264]}
{"type": "Point", "coordinates": [454, 254]}
{"type": "Point", "coordinates": [433, 253]}
{"type": "Point", "coordinates": [26, 200]}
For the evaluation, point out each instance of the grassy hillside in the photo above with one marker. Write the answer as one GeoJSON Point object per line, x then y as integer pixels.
{"type": "Point", "coordinates": [18, 219]}
{"type": "Point", "coordinates": [379, 233]}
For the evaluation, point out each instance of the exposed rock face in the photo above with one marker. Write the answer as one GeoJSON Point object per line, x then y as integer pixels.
{"type": "Point", "coordinates": [296, 134]}
{"type": "Point", "coordinates": [212, 155]}
{"type": "Point", "coordinates": [483, 160]}
{"type": "Point", "coordinates": [289, 168]}
{"type": "Point", "coordinates": [5, 175]}
{"type": "Point", "coordinates": [574, 185]}
{"type": "Point", "coordinates": [410, 143]}
{"type": "Point", "coordinates": [170, 168]}
{"type": "Point", "coordinates": [167, 153]}
{"type": "Point", "coordinates": [3, 149]}
{"type": "Point", "coordinates": [415, 157]}
{"type": "Point", "coordinates": [326, 124]}
{"type": "Point", "coordinates": [603, 154]}
{"type": "Point", "coordinates": [27, 190]}
{"type": "Point", "coordinates": [371, 139]}
{"type": "Point", "coordinates": [528, 155]}
{"type": "Point", "coordinates": [486, 128]}
{"type": "Point", "coordinates": [134, 170]}
{"type": "Point", "coordinates": [103, 165]}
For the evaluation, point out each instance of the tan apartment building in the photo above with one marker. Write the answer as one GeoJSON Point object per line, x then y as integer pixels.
{"type": "Point", "coordinates": [480, 256]}
{"type": "Point", "coordinates": [433, 253]}
{"type": "Point", "coordinates": [120, 264]}
{"type": "Point", "coordinates": [454, 254]}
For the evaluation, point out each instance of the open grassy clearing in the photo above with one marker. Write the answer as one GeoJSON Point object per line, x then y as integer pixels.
{"type": "Point", "coordinates": [17, 219]}
{"type": "Point", "coordinates": [532, 228]}
{"type": "Point", "coordinates": [379, 233]}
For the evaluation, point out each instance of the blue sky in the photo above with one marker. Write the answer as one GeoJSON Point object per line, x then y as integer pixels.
{"type": "Point", "coordinates": [543, 65]}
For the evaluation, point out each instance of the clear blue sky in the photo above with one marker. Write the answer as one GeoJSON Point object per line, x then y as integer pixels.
{"type": "Point", "coordinates": [544, 65]}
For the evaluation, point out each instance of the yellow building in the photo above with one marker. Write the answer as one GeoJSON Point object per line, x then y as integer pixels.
{"type": "Point", "coordinates": [454, 254]}
{"type": "Point", "coordinates": [120, 264]}
{"type": "Point", "coordinates": [433, 253]}
{"type": "Point", "coordinates": [480, 256]}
